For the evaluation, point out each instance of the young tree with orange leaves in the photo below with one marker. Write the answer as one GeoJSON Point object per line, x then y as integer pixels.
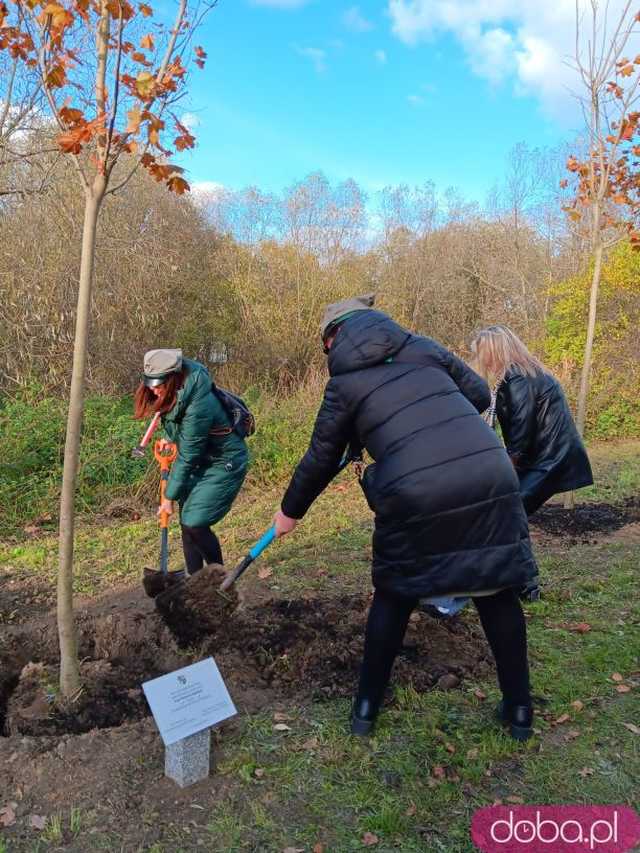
{"type": "Point", "coordinates": [111, 75]}
{"type": "Point", "coordinates": [606, 181]}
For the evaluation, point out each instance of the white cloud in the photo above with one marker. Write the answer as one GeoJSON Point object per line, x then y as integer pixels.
{"type": "Point", "coordinates": [210, 189]}
{"type": "Point", "coordinates": [280, 4]}
{"type": "Point", "coordinates": [381, 57]}
{"type": "Point", "coordinates": [191, 121]}
{"type": "Point", "coordinates": [415, 100]}
{"type": "Point", "coordinates": [354, 20]}
{"type": "Point", "coordinates": [529, 42]}
{"type": "Point", "coordinates": [316, 55]}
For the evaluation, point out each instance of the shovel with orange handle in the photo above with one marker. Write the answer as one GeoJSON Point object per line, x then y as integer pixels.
{"type": "Point", "coordinates": [156, 581]}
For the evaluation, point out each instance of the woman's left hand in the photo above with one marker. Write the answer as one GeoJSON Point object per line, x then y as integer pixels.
{"type": "Point", "coordinates": [166, 506]}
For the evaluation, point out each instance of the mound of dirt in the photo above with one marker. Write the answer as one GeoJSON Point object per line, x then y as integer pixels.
{"type": "Point", "coordinates": [196, 608]}
{"type": "Point", "coordinates": [314, 646]}
{"type": "Point", "coordinates": [301, 648]}
{"type": "Point", "coordinates": [102, 702]}
{"type": "Point", "coordinates": [585, 519]}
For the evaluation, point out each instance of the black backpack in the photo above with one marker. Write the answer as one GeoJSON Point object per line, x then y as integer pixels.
{"type": "Point", "coordinates": [242, 420]}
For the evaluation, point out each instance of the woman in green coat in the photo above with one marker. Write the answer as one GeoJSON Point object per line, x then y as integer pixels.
{"type": "Point", "coordinates": [212, 458]}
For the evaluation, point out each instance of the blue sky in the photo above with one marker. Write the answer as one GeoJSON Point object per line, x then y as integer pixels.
{"type": "Point", "coordinates": [384, 91]}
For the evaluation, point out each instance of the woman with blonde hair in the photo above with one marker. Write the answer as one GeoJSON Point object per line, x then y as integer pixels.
{"type": "Point", "coordinates": [537, 426]}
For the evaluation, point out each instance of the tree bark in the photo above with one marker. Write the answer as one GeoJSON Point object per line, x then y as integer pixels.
{"type": "Point", "coordinates": [69, 670]}
{"type": "Point", "coordinates": [591, 328]}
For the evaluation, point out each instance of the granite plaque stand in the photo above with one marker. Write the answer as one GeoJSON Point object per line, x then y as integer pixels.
{"type": "Point", "coordinates": [187, 761]}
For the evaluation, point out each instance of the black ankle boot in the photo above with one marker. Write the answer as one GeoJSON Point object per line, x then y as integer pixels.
{"type": "Point", "coordinates": [363, 717]}
{"type": "Point", "coordinates": [519, 718]}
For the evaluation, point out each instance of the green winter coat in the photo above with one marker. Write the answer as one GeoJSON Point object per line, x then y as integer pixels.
{"type": "Point", "coordinates": [209, 470]}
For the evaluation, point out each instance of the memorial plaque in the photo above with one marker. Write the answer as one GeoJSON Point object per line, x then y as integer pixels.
{"type": "Point", "coordinates": [188, 700]}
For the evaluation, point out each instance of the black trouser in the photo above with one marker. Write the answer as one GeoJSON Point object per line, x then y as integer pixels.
{"type": "Point", "coordinates": [503, 624]}
{"type": "Point", "coordinates": [200, 546]}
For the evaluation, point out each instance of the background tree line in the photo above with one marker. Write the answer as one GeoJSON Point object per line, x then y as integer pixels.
{"type": "Point", "coordinates": [243, 276]}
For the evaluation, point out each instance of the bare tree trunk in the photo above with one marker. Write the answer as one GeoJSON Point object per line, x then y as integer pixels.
{"type": "Point", "coordinates": [591, 327]}
{"type": "Point", "coordinates": [69, 671]}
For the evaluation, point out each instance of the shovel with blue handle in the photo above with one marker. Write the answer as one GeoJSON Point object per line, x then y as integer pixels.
{"type": "Point", "coordinates": [265, 540]}
{"type": "Point", "coordinates": [262, 544]}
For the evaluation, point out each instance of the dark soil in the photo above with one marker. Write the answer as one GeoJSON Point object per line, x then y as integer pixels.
{"type": "Point", "coordinates": [585, 519]}
{"type": "Point", "coordinates": [302, 648]}
{"type": "Point", "coordinates": [197, 608]}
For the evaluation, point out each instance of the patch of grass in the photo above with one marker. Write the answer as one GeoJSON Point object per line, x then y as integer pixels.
{"type": "Point", "coordinates": [437, 757]}
{"type": "Point", "coordinates": [616, 470]}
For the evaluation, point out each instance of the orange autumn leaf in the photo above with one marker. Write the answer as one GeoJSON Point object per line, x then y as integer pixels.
{"type": "Point", "coordinates": [56, 77]}
{"type": "Point", "coordinates": [71, 116]}
{"type": "Point", "coordinates": [134, 119]}
{"type": "Point", "coordinates": [146, 11]}
{"type": "Point", "coordinates": [144, 84]}
{"type": "Point", "coordinates": [178, 185]}
{"type": "Point", "coordinates": [185, 141]}
{"type": "Point", "coordinates": [147, 43]}
{"type": "Point", "coordinates": [141, 59]}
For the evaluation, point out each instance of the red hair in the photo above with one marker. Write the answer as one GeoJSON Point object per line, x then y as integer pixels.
{"type": "Point", "coordinates": [145, 402]}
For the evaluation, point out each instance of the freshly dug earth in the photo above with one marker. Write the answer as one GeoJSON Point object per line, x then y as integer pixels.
{"type": "Point", "coordinates": [197, 607]}
{"type": "Point", "coordinates": [315, 646]}
{"type": "Point", "coordinates": [300, 648]}
{"type": "Point", "coordinates": [585, 519]}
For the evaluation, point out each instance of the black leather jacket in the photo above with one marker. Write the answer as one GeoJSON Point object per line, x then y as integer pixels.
{"type": "Point", "coordinates": [541, 437]}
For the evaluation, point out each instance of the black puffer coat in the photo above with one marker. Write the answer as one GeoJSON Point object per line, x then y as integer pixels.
{"type": "Point", "coordinates": [541, 437]}
{"type": "Point", "coordinates": [449, 517]}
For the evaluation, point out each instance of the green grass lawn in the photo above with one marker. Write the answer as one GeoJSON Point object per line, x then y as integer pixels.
{"type": "Point", "coordinates": [436, 757]}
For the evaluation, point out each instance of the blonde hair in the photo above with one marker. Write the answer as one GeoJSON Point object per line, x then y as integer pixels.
{"type": "Point", "coordinates": [497, 349]}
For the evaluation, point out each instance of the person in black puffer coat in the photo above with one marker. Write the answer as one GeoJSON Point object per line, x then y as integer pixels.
{"type": "Point", "coordinates": [538, 430]}
{"type": "Point", "coordinates": [449, 518]}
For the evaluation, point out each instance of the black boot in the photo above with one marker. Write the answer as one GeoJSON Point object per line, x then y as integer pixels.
{"type": "Point", "coordinates": [519, 718]}
{"type": "Point", "coordinates": [363, 717]}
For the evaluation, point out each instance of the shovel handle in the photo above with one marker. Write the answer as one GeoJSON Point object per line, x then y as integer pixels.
{"type": "Point", "coordinates": [254, 552]}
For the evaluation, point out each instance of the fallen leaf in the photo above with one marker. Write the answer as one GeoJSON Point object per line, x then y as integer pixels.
{"type": "Point", "coordinates": [577, 705]}
{"type": "Point", "coordinates": [279, 717]}
{"type": "Point", "coordinates": [572, 734]}
{"type": "Point", "coordinates": [586, 771]}
{"type": "Point", "coordinates": [623, 688]}
{"type": "Point", "coordinates": [312, 743]}
{"type": "Point", "coordinates": [632, 728]}
{"type": "Point", "coordinates": [580, 628]}
{"type": "Point", "coordinates": [563, 718]}
{"type": "Point", "coordinates": [318, 848]}
{"type": "Point", "coordinates": [37, 821]}
{"type": "Point", "coordinates": [258, 772]}
{"type": "Point", "coordinates": [265, 573]}
{"type": "Point", "coordinates": [617, 677]}
{"type": "Point", "coordinates": [369, 839]}
{"type": "Point", "coordinates": [282, 727]}
{"type": "Point", "coordinates": [479, 694]}
{"type": "Point", "coordinates": [515, 800]}
{"type": "Point", "coordinates": [473, 753]}
{"type": "Point", "coordinates": [450, 748]}
{"type": "Point", "coordinates": [8, 814]}
{"type": "Point", "coordinates": [411, 810]}
{"type": "Point", "coordinates": [438, 772]}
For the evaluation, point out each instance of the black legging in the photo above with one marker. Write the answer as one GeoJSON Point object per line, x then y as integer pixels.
{"type": "Point", "coordinates": [503, 624]}
{"type": "Point", "coordinates": [200, 546]}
